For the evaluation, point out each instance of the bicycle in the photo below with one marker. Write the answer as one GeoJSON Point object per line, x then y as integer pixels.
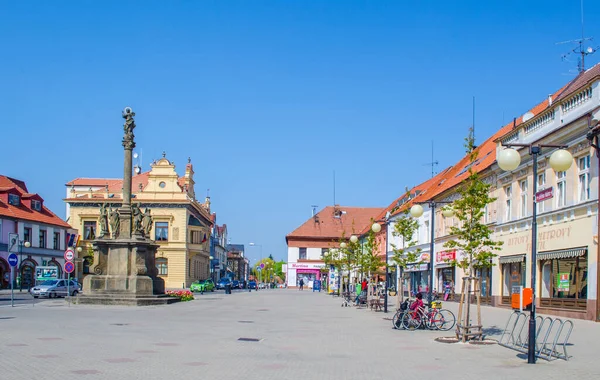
{"type": "Point", "coordinates": [432, 317]}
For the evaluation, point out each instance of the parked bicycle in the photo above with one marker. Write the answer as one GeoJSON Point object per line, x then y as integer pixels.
{"type": "Point", "coordinates": [431, 316]}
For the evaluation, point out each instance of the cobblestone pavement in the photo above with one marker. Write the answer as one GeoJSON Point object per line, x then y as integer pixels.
{"type": "Point", "coordinates": [304, 335]}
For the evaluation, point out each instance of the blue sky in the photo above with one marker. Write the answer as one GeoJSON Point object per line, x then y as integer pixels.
{"type": "Point", "coordinates": [269, 97]}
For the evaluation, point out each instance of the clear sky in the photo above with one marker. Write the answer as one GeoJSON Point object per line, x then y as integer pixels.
{"type": "Point", "coordinates": [269, 97]}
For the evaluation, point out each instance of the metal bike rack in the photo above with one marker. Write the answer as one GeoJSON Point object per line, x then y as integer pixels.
{"type": "Point", "coordinates": [551, 335]}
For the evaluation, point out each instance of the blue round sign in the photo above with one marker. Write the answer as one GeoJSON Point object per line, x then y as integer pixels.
{"type": "Point", "coordinates": [69, 267]}
{"type": "Point", "coordinates": [13, 260]}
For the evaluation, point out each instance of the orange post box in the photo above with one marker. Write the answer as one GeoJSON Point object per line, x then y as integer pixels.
{"type": "Point", "coordinates": [527, 299]}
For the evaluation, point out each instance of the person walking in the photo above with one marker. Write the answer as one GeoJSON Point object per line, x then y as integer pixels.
{"type": "Point", "coordinates": [301, 284]}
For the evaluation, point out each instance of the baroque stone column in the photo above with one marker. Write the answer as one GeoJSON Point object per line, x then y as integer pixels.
{"type": "Point", "coordinates": [125, 212]}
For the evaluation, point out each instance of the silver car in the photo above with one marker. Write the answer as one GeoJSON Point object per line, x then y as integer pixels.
{"type": "Point", "coordinates": [55, 288]}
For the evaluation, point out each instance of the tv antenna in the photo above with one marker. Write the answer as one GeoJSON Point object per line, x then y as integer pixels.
{"type": "Point", "coordinates": [580, 49]}
{"type": "Point", "coordinates": [314, 209]}
{"type": "Point", "coordinates": [433, 162]}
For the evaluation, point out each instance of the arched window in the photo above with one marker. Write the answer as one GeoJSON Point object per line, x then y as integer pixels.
{"type": "Point", "coordinates": [162, 265]}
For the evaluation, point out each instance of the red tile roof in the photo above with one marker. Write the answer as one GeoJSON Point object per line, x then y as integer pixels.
{"type": "Point", "coordinates": [116, 185]}
{"type": "Point", "coordinates": [324, 224]}
{"type": "Point", "coordinates": [23, 211]}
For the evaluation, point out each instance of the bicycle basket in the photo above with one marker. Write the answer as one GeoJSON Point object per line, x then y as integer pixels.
{"type": "Point", "coordinates": [436, 305]}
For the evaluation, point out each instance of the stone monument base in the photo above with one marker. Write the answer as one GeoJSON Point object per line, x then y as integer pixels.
{"type": "Point", "coordinates": [124, 299]}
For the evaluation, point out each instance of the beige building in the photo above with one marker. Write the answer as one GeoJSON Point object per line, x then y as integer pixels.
{"type": "Point", "coordinates": [181, 225]}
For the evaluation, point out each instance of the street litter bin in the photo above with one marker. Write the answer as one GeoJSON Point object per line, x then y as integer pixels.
{"type": "Point", "coordinates": [228, 289]}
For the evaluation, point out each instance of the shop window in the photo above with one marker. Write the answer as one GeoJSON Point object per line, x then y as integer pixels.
{"type": "Point", "coordinates": [541, 184]}
{"type": "Point", "coordinates": [508, 195]}
{"type": "Point", "coordinates": [565, 278]}
{"type": "Point", "coordinates": [523, 187]}
{"type": "Point", "coordinates": [513, 276]}
{"type": "Point", "coordinates": [585, 178]}
{"type": "Point", "coordinates": [302, 254]}
{"type": "Point", "coordinates": [161, 231]}
{"type": "Point", "coordinates": [561, 189]}
{"type": "Point", "coordinates": [162, 265]}
{"type": "Point", "coordinates": [42, 239]}
{"type": "Point", "coordinates": [89, 230]}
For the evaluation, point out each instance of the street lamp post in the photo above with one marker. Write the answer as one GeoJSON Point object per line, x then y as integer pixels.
{"type": "Point", "coordinates": [258, 245]}
{"type": "Point", "coordinates": [22, 244]}
{"type": "Point", "coordinates": [416, 211]}
{"type": "Point", "coordinates": [376, 227]}
{"type": "Point", "coordinates": [508, 160]}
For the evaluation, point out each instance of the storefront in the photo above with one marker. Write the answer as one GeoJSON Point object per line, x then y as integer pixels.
{"type": "Point", "coordinates": [485, 288]}
{"type": "Point", "coordinates": [418, 278]}
{"type": "Point", "coordinates": [446, 279]}
{"type": "Point", "coordinates": [513, 275]}
{"type": "Point", "coordinates": [564, 278]}
{"type": "Point", "coordinates": [306, 271]}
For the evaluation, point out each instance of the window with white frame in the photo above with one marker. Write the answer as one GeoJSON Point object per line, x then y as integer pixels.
{"type": "Point", "coordinates": [561, 189]}
{"type": "Point", "coordinates": [523, 206]}
{"type": "Point", "coordinates": [508, 202]}
{"type": "Point", "coordinates": [541, 184]}
{"type": "Point", "coordinates": [426, 231]}
{"type": "Point", "coordinates": [36, 205]}
{"type": "Point", "coordinates": [486, 214]}
{"type": "Point", "coordinates": [585, 178]}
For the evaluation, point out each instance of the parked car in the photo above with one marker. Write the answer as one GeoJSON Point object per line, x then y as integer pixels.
{"type": "Point", "coordinates": [55, 288]}
{"type": "Point", "coordinates": [202, 286]}
{"type": "Point", "coordinates": [223, 282]}
{"type": "Point", "coordinates": [251, 284]}
{"type": "Point", "coordinates": [235, 284]}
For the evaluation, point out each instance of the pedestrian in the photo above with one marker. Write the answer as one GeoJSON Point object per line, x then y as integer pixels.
{"type": "Point", "coordinates": [301, 283]}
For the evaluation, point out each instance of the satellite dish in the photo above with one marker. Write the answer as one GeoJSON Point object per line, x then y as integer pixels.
{"type": "Point", "coordinates": [135, 155]}
{"type": "Point", "coordinates": [590, 50]}
{"type": "Point", "coordinates": [527, 116]}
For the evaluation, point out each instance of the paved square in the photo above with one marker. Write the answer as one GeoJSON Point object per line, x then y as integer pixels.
{"type": "Point", "coordinates": [301, 335]}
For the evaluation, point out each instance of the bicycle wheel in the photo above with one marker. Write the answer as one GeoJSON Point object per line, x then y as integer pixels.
{"type": "Point", "coordinates": [397, 320]}
{"type": "Point", "coordinates": [430, 320]}
{"type": "Point", "coordinates": [444, 320]}
{"type": "Point", "coordinates": [410, 321]}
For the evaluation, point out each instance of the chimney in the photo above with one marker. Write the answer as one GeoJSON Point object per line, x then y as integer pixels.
{"type": "Point", "coordinates": [549, 100]}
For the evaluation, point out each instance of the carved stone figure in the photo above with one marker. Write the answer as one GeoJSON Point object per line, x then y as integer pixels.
{"type": "Point", "coordinates": [147, 222]}
{"type": "Point", "coordinates": [103, 221]}
{"type": "Point", "coordinates": [115, 222]}
{"type": "Point", "coordinates": [137, 219]}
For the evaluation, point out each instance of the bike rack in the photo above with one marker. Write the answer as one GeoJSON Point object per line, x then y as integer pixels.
{"type": "Point", "coordinates": [550, 335]}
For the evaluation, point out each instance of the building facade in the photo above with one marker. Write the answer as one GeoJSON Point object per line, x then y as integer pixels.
{"type": "Point", "coordinates": [41, 235]}
{"type": "Point", "coordinates": [218, 252]}
{"type": "Point", "coordinates": [181, 224]}
{"type": "Point", "coordinates": [308, 244]}
{"type": "Point", "coordinates": [237, 264]}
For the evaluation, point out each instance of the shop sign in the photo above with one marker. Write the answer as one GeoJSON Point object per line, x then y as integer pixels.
{"type": "Point", "coordinates": [46, 273]}
{"type": "Point", "coordinates": [424, 257]}
{"type": "Point", "coordinates": [445, 256]}
{"type": "Point", "coordinates": [306, 266]}
{"type": "Point", "coordinates": [562, 280]}
{"type": "Point", "coordinates": [416, 267]}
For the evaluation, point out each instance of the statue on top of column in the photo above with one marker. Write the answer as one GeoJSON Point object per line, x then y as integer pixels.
{"type": "Point", "coordinates": [128, 127]}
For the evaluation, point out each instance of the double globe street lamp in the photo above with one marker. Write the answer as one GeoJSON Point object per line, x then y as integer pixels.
{"type": "Point", "coordinates": [508, 160]}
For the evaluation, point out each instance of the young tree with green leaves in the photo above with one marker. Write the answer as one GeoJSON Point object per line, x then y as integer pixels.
{"type": "Point", "coordinates": [404, 228]}
{"type": "Point", "coordinates": [472, 237]}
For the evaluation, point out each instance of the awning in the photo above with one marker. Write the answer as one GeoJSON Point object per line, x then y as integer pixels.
{"type": "Point", "coordinates": [562, 253]}
{"type": "Point", "coordinates": [511, 259]}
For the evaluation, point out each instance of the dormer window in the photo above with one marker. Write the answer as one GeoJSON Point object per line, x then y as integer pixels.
{"type": "Point", "coordinates": [36, 205]}
{"type": "Point", "coordinates": [14, 200]}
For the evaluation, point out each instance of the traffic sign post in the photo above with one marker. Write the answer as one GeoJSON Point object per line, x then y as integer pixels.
{"type": "Point", "coordinates": [69, 254]}
{"type": "Point", "coordinates": [13, 260]}
{"type": "Point", "coordinates": [69, 268]}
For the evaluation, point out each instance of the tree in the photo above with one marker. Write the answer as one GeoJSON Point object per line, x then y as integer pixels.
{"type": "Point", "coordinates": [368, 260]}
{"type": "Point", "coordinates": [404, 228]}
{"type": "Point", "coordinates": [472, 236]}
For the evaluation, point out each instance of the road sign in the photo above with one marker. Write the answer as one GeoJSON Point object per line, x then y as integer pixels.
{"type": "Point", "coordinates": [69, 267]}
{"type": "Point", "coordinates": [69, 254]}
{"type": "Point", "coordinates": [13, 260]}
{"type": "Point", "coordinates": [542, 195]}
{"type": "Point", "coordinates": [13, 242]}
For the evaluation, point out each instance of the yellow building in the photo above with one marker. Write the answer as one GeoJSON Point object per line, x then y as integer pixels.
{"type": "Point", "coordinates": [181, 225]}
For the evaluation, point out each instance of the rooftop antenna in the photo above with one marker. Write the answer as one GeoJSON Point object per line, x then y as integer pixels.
{"type": "Point", "coordinates": [580, 48]}
{"type": "Point", "coordinates": [474, 145]}
{"type": "Point", "coordinates": [433, 162]}
{"type": "Point", "coordinates": [314, 209]}
{"type": "Point", "coordinates": [334, 187]}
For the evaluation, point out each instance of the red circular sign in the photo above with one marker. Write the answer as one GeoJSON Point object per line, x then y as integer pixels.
{"type": "Point", "coordinates": [69, 267]}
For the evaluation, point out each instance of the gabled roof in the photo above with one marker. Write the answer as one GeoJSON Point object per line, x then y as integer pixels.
{"type": "Point", "coordinates": [114, 185]}
{"type": "Point", "coordinates": [23, 211]}
{"type": "Point", "coordinates": [333, 221]}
